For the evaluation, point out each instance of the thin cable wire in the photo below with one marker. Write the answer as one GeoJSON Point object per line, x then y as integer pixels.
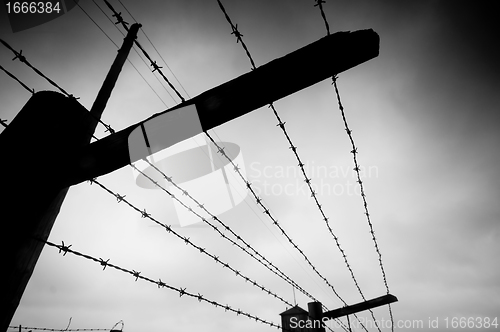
{"type": "Point", "coordinates": [157, 52]}
{"type": "Point", "coordinates": [140, 57]}
{"type": "Point", "coordinates": [152, 63]}
{"type": "Point", "coordinates": [64, 249]}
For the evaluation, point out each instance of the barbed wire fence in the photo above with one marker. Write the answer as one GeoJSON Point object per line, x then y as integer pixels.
{"type": "Point", "coordinates": [144, 214]}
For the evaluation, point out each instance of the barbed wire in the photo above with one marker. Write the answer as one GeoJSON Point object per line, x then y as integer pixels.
{"type": "Point", "coordinates": [3, 123]}
{"type": "Point", "coordinates": [153, 64]}
{"type": "Point", "coordinates": [22, 58]}
{"type": "Point", "coordinates": [64, 249]}
{"type": "Point", "coordinates": [187, 241]}
{"type": "Point", "coordinates": [237, 34]}
{"type": "Point", "coordinates": [18, 80]}
{"type": "Point", "coordinates": [354, 152]}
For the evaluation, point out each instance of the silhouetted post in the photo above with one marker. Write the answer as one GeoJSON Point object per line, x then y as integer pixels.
{"type": "Point", "coordinates": [33, 150]}
{"type": "Point", "coordinates": [316, 316]}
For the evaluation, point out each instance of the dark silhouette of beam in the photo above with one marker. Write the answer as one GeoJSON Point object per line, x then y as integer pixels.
{"type": "Point", "coordinates": [279, 78]}
{"type": "Point", "coordinates": [352, 309]}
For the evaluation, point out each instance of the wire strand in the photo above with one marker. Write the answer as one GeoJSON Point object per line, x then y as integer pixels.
{"type": "Point", "coordinates": [64, 249]}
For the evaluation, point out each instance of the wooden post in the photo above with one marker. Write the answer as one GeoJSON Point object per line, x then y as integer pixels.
{"type": "Point", "coordinates": [48, 128]}
{"type": "Point", "coordinates": [351, 309]}
{"type": "Point", "coordinates": [316, 316]}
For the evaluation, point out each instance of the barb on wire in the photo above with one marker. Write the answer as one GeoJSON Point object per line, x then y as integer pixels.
{"type": "Point", "coordinates": [319, 4]}
{"type": "Point", "coordinates": [169, 229]}
{"type": "Point", "coordinates": [162, 285]}
{"type": "Point", "coordinates": [152, 63]}
{"type": "Point", "coordinates": [237, 34]}
{"type": "Point", "coordinates": [3, 123]}
{"type": "Point", "coordinates": [18, 80]}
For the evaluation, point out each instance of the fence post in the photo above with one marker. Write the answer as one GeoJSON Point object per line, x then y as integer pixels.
{"type": "Point", "coordinates": [34, 149]}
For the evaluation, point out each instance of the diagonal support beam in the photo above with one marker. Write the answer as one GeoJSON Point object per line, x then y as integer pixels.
{"type": "Point", "coordinates": [279, 78]}
{"type": "Point", "coordinates": [352, 309]}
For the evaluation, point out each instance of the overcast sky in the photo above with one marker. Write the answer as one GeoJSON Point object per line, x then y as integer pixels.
{"type": "Point", "coordinates": [424, 116]}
